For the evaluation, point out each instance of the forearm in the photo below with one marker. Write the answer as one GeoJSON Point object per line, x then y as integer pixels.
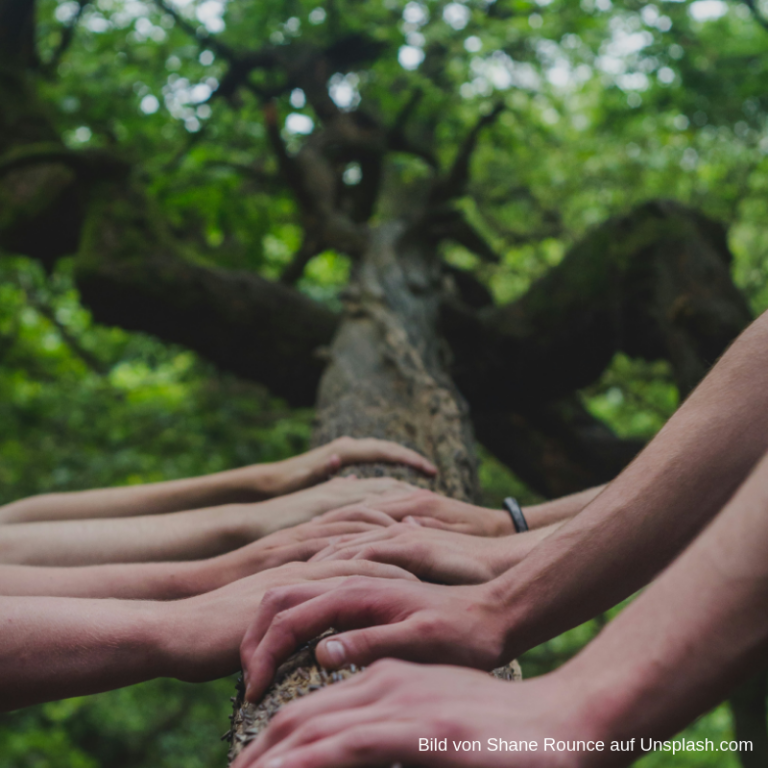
{"type": "Point", "coordinates": [693, 634]}
{"type": "Point", "coordinates": [126, 581]}
{"type": "Point", "coordinates": [243, 485]}
{"type": "Point", "coordinates": [559, 510]}
{"type": "Point", "coordinates": [652, 511]}
{"type": "Point", "coordinates": [52, 648]}
{"type": "Point", "coordinates": [508, 551]}
{"type": "Point", "coordinates": [188, 535]}
{"type": "Point", "coordinates": [176, 536]}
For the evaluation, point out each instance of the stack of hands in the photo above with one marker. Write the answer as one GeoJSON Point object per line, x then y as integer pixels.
{"type": "Point", "coordinates": [215, 546]}
{"type": "Point", "coordinates": [406, 574]}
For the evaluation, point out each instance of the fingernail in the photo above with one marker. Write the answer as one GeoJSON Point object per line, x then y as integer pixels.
{"type": "Point", "coordinates": [335, 651]}
{"type": "Point", "coordinates": [275, 762]}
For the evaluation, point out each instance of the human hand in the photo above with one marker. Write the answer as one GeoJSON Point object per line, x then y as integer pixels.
{"type": "Point", "coordinates": [379, 717]}
{"type": "Point", "coordinates": [320, 463]}
{"type": "Point", "coordinates": [441, 556]}
{"type": "Point", "coordinates": [199, 637]}
{"type": "Point", "coordinates": [288, 545]}
{"type": "Point", "coordinates": [410, 620]}
{"type": "Point", "coordinates": [431, 510]}
{"type": "Point", "coordinates": [266, 517]}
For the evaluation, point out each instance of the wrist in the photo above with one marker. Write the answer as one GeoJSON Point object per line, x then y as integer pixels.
{"type": "Point", "coordinates": [158, 637]}
{"type": "Point", "coordinates": [503, 553]}
{"type": "Point", "coordinates": [611, 704]}
{"type": "Point", "coordinates": [183, 640]}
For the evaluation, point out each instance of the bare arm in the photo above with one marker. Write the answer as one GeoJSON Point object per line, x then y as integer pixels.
{"type": "Point", "coordinates": [190, 535]}
{"type": "Point", "coordinates": [671, 655]}
{"type": "Point", "coordinates": [559, 510]}
{"type": "Point", "coordinates": [176, 580]}
{"type": "Point", "coordinates": [247, 484]}
{"type": "Point", "coordinates": [624, 538]}
{"type": "Point", "coordinates": [56, 647]}
{"type": "Point", "coordinates": [653, 510]}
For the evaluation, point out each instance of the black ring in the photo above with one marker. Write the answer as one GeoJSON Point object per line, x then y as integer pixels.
{"type": "Point", "coordinates": [518, 518]}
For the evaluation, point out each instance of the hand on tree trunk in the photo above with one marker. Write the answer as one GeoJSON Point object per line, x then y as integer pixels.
{"type": "Point", "coordinates": [321, 463]}
{"type": "Point", "coordinates": [413, 621]}
{"type": "Point", "coordinates": [433, 510]}
{"type": "Point", "coordinates": [382, 716]}
{"type": "Point", "coordinates": [441, 556]}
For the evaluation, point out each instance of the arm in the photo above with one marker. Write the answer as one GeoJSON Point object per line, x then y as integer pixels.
{"type": "Point", "coordinates": [671, 655]}
{"type": "Point", "coordinates": [247, 484]}
{"type": "Point", "coordinates": [558, 511]}
{"type": "Point", "coordinates": [171, 580]}
{"type": "Point", "coordinates": [53, 648]}
{"type": "Point", "coordinates": [195, 534]}
{"type": "Point", "coordinates": [629, 533]}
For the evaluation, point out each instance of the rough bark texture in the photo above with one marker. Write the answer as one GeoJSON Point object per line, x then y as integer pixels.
{"type": "Point", "coordinates": [298, 677]}
{"type": "Point", "coordinates": [386, 376]}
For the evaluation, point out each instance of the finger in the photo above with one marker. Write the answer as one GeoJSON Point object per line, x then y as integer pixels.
{"type": "Point", "coordinates": [336, 702]}
{"type": "Point", "coordinates": [332, 569]}
{"type": "Point", "coordinates": [380, 744]}
{"type": "Point", "coordinates": [433, 522]}
{"type": "Point", "coordinates": [370, 450]}
{"type": "Point", "coordinates": [356, 512]}
{"type": "Point", "coordinates": [280, 599]}
{"type": "Point", "coordinates": [400, 640]}
{"type": "Point", "coordinates": [291, 616]}
{"type": "Point", "coordinates": [343, 529]}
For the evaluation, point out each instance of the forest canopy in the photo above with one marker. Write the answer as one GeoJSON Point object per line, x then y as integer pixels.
{"type": "Point", "coordinates": [527, 125]}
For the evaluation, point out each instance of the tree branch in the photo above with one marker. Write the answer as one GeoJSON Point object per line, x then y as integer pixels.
{"type": "Point", "coordinates": [653, 284]}
{"type": "Point", "coordinates": [203, 37]}
{"type": "Point", "coordinates": [758, 16]}
{"type": "Point", "coordinates": [137, 277]}
{"type": "Point", "coordinates": [309, 248]}
{"type": "Point", "coordinates": [557, 448]}
{"type": "Point", "coordinates": [455, 183]}
{"type": "Point", "coordinates": [450, 224]}
{"type": "Point", "coordinates": [90, 360]}
{"type": "Point", "coordinates": [67, 36]}
{"type": "Point", "coordinates": [398, 141]}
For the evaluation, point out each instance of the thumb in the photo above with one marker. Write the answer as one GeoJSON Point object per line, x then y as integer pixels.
{"type": "Point", "coordinates": [364, 646]}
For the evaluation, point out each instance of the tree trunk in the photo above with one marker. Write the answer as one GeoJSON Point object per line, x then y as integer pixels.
{"type": "Point", "coordinates": [385, 378]}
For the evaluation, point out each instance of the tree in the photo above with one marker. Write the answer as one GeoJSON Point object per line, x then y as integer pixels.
{"type": "Point", "coordinates": [375, 166]}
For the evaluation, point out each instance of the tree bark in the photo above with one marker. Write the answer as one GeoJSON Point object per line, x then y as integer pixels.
{"type": "Point", "coordinates": [386, 375]}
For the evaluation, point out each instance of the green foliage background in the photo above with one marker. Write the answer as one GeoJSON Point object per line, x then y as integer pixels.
{"type": "Point", "coordinates": [608, 105]}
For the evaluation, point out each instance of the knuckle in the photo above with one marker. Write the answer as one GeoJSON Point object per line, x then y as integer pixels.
{"type": "Point", "coordinates": [430, 625]}
{"type": "Point", "coordinates": [368, 552]}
